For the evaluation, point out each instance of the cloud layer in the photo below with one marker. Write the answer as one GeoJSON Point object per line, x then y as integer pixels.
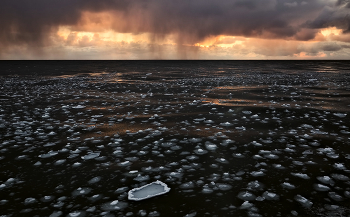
{"type": "Point", "coordinates": [34, 24]}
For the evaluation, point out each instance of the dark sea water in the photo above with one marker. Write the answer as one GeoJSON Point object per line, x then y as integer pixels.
{"type": "Point", "coordinates": [230, 138]}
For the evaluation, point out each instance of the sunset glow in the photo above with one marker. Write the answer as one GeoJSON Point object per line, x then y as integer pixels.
{"type": "Point", "coordinates": [154, 30]}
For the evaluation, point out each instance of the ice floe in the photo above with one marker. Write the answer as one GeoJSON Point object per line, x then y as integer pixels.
{"type": "Point", "coordinates": [147, 191]}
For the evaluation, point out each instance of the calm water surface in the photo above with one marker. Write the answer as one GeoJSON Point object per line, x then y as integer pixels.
{"type": "Point", "coordinates": [230, 138]}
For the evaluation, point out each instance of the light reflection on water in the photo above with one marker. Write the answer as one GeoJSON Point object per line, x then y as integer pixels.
{"type": "Point", "coordinates": [218, 133]}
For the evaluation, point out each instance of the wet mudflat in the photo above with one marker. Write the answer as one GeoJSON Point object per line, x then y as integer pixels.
{"type": "Point", "coordinates": [230, 138]}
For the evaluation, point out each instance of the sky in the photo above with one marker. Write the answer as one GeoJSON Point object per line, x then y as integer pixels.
{"type": "Point", "coordinates": [174, 29]}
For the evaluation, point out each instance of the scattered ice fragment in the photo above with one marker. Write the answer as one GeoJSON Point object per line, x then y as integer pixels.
{"type": "Point", "coordinates": [303, 201]}
{"type": "Point", "coordinates": [187, 185]}
{"type": "Point", "coordinates": [121, 190]}
{"type": "Point", "coordinates": [147, 191]}
{"type": "Point", "coordinates": [91, 155]}
{"type": "Point", "coordinates": [91, 209]}
{"type": "Point", "coordinates": [38, 163]}
{"type": "Point", "coordinates": [207, 190]}
{"type": "Point", "coordinates": [142, 212]}
{"type": "Point", "coordinates": [76, 164]}
{"type": "Point", "coordinates": [257, 173]}
{"type": "Point", "coordinates": [200, 151]}
{"type": "Point", "coordinates": [124, 164]}
{"type": "Point", "coordinates": [320, 187]}
{"type": "Point", "coordinates": [195, 140]}
{"type": "Point", "coordinates": [59, 162]}
{"type": "Point", "coordinates": [81, 191]}
{"type": "Point", "coordinates": [49, 154]}
{"type": "Point", "coordinates": [256, 143]}
{"type": "Point", "coordinates": [340, 177]}
{"type": "Point", "coordinates": [325, 180]}
{"type": "Point", "coordinates": [341, 115]}
{"type": "Point", "coordinates": [246, 205]}
{"type": "Point", "coordinates": [301, 175]}
{"type": "Point", "coordinates": [247, 112]}
{"type": "Point", "coordinates": [114, 205]}
{"type": "Point", "coordinates": [133, 171]}
{"type": "Point", "coordinates": [226, 124]}
{"type": "Point", "coordinates": [271, 156]}
{"type": "Point", "coordinates": [270, 196]}
{"type": "Point", "coordinates": [238, 155]}
{"type": "Point", "coordinates": [153, 214]}
{"type": "Point", "coordinates": [50, 143]}
{"type": "Point", "coordinates": [255, 185]}
{"type": "Point", "coordinates": [247, 196]}
{"type": "Point", "coordinates": [56, 214]}
{"type": "Point", "coordinates": [79, 107]}
{"type": "Point", "coordinates": [223, 187]}
{"type": "Point", "coordinates": [335, 196]}
{"type": "Point", "coordinates": [141, 178]}
{"type": "Point", "coordinates": [295, 213]}
{"type": "Point", "coordinates": [47, 198]}
{"type": "Point", "coordinates": [339, 166]}
{"type": "Point", "coordinates": [210, 146]}
{"type": "Point", "coordinates": [209, 122]}
{"type": "Point", "coordinates": [94, 180]}
{"type": "Point", "coordinates": [193, 214]}
{"type": "Point", "coordinates": [76, 214]}
{"type": "Point", "coordinates": [221, 160]}
{"type": "Point", "coordinates": [29, 200]}
{"type": "Point", "coordinates": [288, 185]}
{"type": "Point", "coordinates": [191, 157]}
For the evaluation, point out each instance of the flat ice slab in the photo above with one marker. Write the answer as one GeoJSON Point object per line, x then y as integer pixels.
{"type": "Point", "coordinates": [147, 191]}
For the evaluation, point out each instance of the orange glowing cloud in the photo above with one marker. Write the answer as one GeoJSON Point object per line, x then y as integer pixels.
{"type": "Point", "coordinates": [173, 29]}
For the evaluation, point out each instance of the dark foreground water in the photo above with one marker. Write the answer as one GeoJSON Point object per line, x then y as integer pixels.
{"type": "Point", "coordinates": [230, 138]}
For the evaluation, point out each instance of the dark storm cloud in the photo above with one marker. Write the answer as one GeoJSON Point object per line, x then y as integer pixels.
{"type": "Point", "coordinates": [27, 21]}
{"type": "Point", "coordinates": [338, 16]}
{"type": "Point", "coordinates": [31, 22]}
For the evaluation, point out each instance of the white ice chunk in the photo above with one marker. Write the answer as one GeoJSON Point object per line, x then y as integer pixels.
{"type": "Point", "coordinates": [56, 214]}
{"type": "Point", "coordinates": [301, 175]}
{"type": "Point", "coordinates": [303, 201]}
{"type": "Point", "coordinates": [94, 180]}
{"type": "Point", "coordinates": [320, 187]}
{"type": "Point", "coordinates": [200, 151]}
{"type": "Point", "coordinates": [246, 205]}
{"type": "Point", "coordinates": [113, 205]}
{"type": "Point", "coordinates": [147, 191]}
{"type": "Point", "coordinates": [226, 124]}
{"type": "Point", "coordinates": [81, 191]}
{"type": "Point", "coordinates": [76, 214]}
{"type": "Point", "coordinates": [49, 154]}
{"type": "Point", "coordinates": [59, 162]}
{"type": "Point", "coordinates": [247, 112]}
{"type": "Point", "coordinates": [247, 196]}
{"type": "Point", "coordinates": [79, 107]}
{"type": "Point", "coordinates": [91, 155]}
{"type": "Point", "coordinates": [210, 146]}
{"type": "Point", "coordinates": [341, 115]}
{"type": "Point", "coordinates": [187, 185]}
{"type": "Point", "coordinates": [288, 185]}
{"type": "Point", "coordinates": [340, 177]}
{"type": "Point", "coordinates": [141, 178]}
{"type": "Point", "coordinates": [339, 166]}
{"type": "Point", "coordinates": [223, 186]}
{"type": "Point", "coordinates": [257, 173]}
{"type": "Point", "coordinates": [325, 180]}
{"type": "Point", "coordinates": [335, 196]}
{"type": "Point", "coordinates": [270, 196]}
{"type": "Point", "coordinates": [29, 200]}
